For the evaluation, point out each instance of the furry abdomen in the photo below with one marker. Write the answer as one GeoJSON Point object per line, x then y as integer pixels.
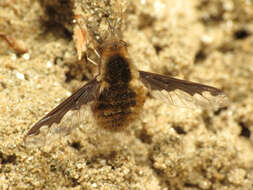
{"type": "Point", "coordinates": [121, 99]}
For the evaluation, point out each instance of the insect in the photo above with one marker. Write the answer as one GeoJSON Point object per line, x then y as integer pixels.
{"type": "Point", "coordinates": [117, 94]}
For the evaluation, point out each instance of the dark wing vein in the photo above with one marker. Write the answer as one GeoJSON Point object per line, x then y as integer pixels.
{"type": "Point", "coordinates": [183, 93]}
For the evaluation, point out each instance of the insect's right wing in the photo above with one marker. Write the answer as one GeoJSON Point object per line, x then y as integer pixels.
{"type": "Point", "coordinates": [183, 93]}
{"type": "Point", "coordinates": [61, 118]}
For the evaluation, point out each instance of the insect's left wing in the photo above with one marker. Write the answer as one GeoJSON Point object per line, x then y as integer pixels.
{"type": "Point", "coordinates": [183, 93]}
{"type": "Point", "coordinates": [85, 94]}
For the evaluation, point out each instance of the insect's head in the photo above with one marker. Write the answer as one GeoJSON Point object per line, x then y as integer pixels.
{"type": "Point", "coordinates": [112, 47]}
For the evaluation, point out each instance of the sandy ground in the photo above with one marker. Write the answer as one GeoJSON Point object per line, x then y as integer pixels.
{"type": "Point", "coordinates": [207, 41]}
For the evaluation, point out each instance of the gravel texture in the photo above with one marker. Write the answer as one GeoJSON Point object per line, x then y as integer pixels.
{"type": "Point", "coordinates": [207, 41]}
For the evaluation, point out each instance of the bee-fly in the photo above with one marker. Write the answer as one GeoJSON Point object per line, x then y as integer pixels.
{"type": "Point", "coordinates": [117, 94]}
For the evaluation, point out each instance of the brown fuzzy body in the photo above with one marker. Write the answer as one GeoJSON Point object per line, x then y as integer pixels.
{"type": "Point", "coordinates": [122, 95]}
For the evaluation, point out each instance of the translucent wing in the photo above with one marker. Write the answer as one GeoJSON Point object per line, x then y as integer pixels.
{"type": "Point", "coordinates": [62, 118]}
{"type": "Point", "coordinates": [183, 93]}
